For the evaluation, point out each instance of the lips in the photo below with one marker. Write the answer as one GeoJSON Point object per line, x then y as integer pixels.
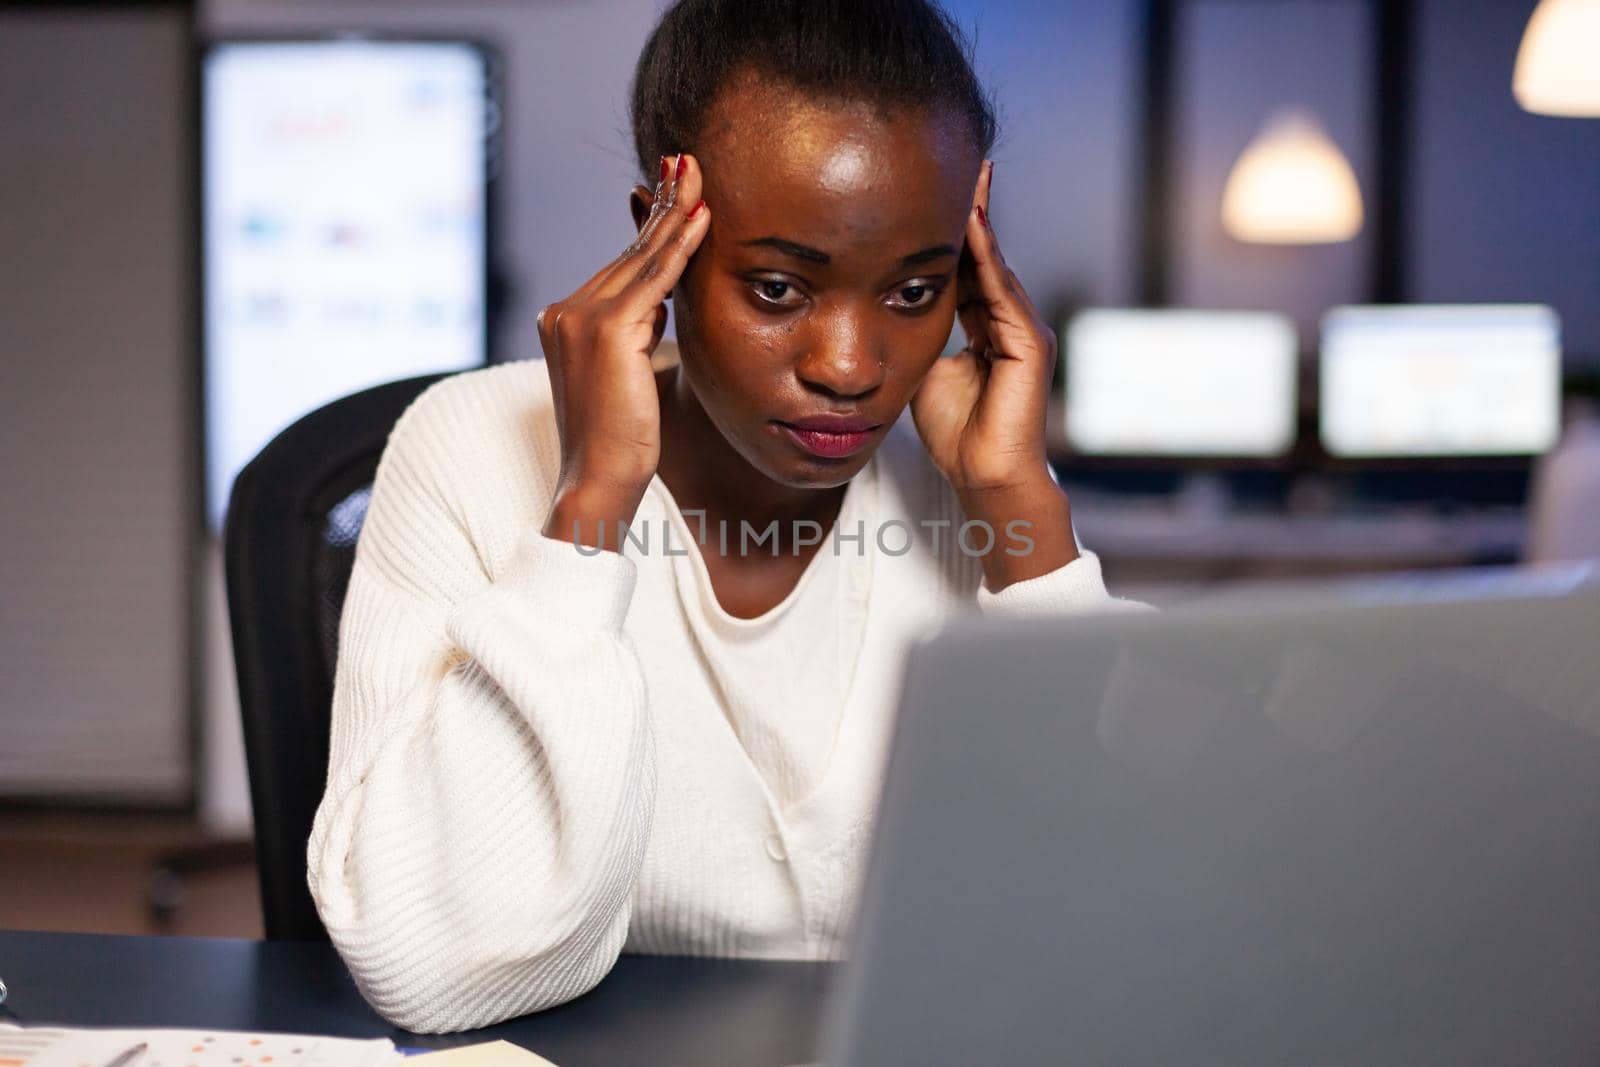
{"type": "Point", "coordinates": [833, 423]}
{"type": "Point", "coordinates": [830, 436]}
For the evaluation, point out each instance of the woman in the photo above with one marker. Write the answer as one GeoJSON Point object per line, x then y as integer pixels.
{"type": "Point", "coordinates": [621, 645]}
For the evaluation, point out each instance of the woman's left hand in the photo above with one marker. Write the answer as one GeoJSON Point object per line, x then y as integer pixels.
{"type": "Point", "coordinates": [981, 412]}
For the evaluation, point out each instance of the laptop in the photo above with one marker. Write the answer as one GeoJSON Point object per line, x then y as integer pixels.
{"type": "Point", "coordinates": [1344, 824]}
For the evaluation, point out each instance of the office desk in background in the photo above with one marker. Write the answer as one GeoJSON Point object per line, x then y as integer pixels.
{"type": "Point", "coordinates": [661, 1011]}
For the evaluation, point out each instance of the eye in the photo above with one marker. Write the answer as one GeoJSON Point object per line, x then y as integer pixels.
{"type": "Point", "coordinates": [777, 292]}
{"type": "Point", "coordinates": [916, 295]}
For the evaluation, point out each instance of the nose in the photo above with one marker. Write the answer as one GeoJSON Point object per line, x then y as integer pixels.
{"type": "Point", "coordinates": [842, 355]}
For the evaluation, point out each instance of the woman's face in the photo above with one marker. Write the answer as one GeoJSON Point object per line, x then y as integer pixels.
{"type": "Point", "coordinates": [826, 284]}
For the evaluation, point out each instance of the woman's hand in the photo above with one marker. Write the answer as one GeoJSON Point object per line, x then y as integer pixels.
{"type": "Point", "coordinates": [597, 343]}
{"type": "Point", "coordinates": [981, 412]}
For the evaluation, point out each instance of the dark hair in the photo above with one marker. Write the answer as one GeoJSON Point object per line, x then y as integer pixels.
{"type": "Point", "coordinates": [891, 52]}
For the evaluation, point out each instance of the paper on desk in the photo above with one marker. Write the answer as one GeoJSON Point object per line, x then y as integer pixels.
{"type": "Point", "coordinates": [485, 1054]}
{"type": "Point", "coordinates": [38, 1046]}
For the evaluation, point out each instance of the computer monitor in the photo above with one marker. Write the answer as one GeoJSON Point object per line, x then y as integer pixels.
{"type": "Point", "coordinates": [345, 227]}
{"type": "Point", "coordinates": [1440, 380]}
{"type": "Point", "coordinates": [1180, 383]}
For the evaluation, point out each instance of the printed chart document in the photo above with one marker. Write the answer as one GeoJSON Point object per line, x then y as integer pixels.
{"type": "Point", "coordinates": [39, 1046]}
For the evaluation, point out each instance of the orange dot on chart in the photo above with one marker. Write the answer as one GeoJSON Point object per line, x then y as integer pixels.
{"type": "Point", "coordinates": [198, 1048]}
{"type": "Point", "coordinates": [257, 1041]}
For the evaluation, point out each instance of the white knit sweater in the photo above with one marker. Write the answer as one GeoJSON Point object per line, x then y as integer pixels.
{"type": "Point", "coordinates": [532, 764]}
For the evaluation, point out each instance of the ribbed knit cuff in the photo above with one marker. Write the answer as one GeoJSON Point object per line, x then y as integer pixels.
{"type": "Point", "coordinates": [581, 585]}
{"type": "Point", "coordinates": [1075, 586]}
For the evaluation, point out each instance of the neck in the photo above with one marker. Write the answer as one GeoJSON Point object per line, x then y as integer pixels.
{"type": "Point", "coordinates": [704, 472]}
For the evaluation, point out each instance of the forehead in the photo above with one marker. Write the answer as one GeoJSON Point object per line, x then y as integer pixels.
{"type": "Point", "coordinates": [850, 179]}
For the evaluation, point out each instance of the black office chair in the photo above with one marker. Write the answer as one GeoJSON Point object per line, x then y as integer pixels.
{"type": "Point", "coordinates": [289, 543]}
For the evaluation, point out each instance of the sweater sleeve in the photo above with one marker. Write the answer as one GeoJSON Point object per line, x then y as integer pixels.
{"type": "Point", "coordinates": [1072, 587]}
{"type": "Point", "coordinates": [491, 772]}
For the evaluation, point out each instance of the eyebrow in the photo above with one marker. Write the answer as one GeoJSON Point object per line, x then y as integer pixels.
{"type": "Point", "coordinates": [796, 250]}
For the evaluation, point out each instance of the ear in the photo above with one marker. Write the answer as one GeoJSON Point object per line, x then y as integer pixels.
{"type": "Point", "coordinates": [639, 202]}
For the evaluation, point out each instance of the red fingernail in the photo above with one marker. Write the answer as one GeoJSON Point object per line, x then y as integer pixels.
{"type": "Point", "coordinates": [681, 167]}
{"type": "Point", "coordinates": [983, 216]}
{"type": "Point", "coordinates": [663, 168]}
{"type": "Point", "coordinates": [696, 209]}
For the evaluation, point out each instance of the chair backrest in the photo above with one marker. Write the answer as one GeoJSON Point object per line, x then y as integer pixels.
{"type": "Point", "coordinates": [293, 519]}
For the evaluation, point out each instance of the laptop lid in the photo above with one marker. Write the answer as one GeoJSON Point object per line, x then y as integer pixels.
{"type": "Point", "coordinates": [1360, 827]}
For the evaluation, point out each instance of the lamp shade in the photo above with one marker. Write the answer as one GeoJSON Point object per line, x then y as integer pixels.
{"type": "Point", "coordinates": [1292, 185]}
{"type": "Point", "coordinates": [1558, 65]}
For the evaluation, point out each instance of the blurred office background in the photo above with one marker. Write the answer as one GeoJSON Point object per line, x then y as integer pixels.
{"type": "Point", "coordinates": [215, 216]}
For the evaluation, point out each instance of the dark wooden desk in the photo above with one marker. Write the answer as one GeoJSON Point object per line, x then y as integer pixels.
{"type": "Point", "coordinates": [652, 1010]}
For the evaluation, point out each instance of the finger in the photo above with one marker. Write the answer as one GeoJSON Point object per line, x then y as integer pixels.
{"type": "Point", "coordinates": [666, 192]}
{"type": "Point", "coordinates": [661, 263]}
{"type": "Point", "coordinates": [659, 329]}
{"type": "Point", "coordinates": [981, 197]}
{"type": "Point", "coordinates": [971, 305]}
{"type": "Point", "coordinates": [971, 309]}
{"type": "Point", "coordinates": [657, 205]}
{"type": "Point", "coordinates": [643, 257]}
{"type": "Point", "coordinates": [660, 271]}
{"type": "Point", "coordinates": [980, 193]}
{"type": "Point", "coordinates": [606, 278]}
{"type": "Point", "coordinates": [973, 313]}
{"type": "Point", "coordinates": [550, 317]}
{"type": "Point", "coordinates": [682, 194]}
{"type": "Point", "coordinates": [1010, 312]}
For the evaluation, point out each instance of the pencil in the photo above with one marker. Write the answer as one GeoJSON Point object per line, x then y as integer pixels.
{"type": "Point", "coordinates": [125, 1058]}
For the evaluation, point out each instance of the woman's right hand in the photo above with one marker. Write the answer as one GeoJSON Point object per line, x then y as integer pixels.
{"type": "Point", "coordinates": [597, 345]}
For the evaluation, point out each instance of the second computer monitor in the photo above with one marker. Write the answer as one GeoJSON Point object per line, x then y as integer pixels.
{"type": "Point", "coordinates": [1180, 383]}
{"type": "Point", "coordinates": [1440, 380]}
